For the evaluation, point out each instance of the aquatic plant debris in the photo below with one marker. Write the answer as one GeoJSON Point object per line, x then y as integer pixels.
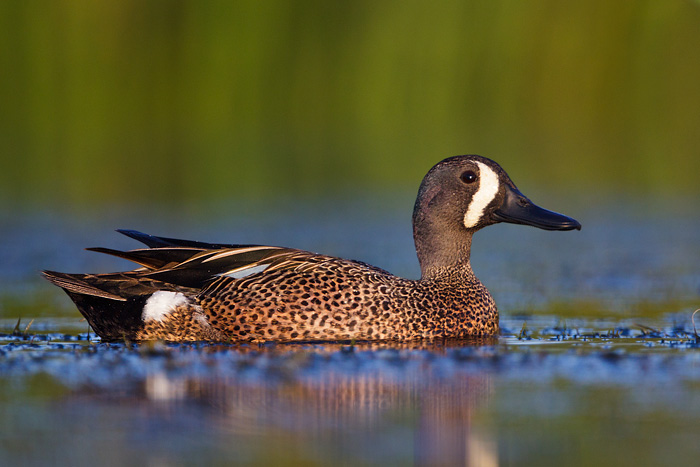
{"type": "Point", "coordinates": [16, 330]}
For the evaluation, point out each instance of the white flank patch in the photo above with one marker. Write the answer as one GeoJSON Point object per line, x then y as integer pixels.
{"type": "Point", "coordinates": [488, 188]}
{"type": "Point", "coordinates": [246, 271]}
{"type": "Point", "coordinates": [161, 303]}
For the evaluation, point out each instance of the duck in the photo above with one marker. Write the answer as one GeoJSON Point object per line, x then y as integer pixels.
{"type": "Point", "coordinates": [186, 291]}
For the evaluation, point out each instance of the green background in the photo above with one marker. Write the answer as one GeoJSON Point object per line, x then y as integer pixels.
{"type": "Point", "coordinates": [173, 101]}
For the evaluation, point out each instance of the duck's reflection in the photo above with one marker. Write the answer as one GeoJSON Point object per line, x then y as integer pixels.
{"type": "Point", "coordinates": [408, 409]}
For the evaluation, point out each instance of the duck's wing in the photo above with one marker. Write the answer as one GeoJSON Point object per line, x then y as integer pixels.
{"type": "Point", "coordinates": [184, 265]}
{"type": "Point", "coordinates": [235, 262]}
{"type": "Point", "coordinates": [173, 264]}
{"type": "Point", "coordinates": [152, 241]}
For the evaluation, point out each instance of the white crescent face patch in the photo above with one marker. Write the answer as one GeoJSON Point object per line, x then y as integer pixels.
{"type": "Point", "coordinates": [488, 189]}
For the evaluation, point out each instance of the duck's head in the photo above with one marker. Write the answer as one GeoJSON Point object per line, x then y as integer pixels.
{"type": "Point", "coordinates": [463, 194]}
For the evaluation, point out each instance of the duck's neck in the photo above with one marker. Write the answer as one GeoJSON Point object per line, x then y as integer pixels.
{"type": "Point", "coordinates": [443, 253]}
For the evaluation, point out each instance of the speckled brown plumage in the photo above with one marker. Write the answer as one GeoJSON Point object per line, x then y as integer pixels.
{"type": "Point", "coordinates": [337, 300]}
{"type": "Point", "coordinates": [191, 291]}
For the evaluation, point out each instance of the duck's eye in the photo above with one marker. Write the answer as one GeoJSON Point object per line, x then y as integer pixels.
{"type": "Point", "coordinates": [468, 177]}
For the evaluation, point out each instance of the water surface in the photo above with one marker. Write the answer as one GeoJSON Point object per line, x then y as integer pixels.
{"type": "Point", "coordinates": [597, 362]}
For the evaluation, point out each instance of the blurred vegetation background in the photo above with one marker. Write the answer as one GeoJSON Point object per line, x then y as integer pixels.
{"type": "Point", "coordinates": [193, 101]}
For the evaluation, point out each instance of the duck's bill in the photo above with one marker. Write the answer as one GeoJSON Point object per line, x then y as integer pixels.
{"type": "Point", "coordinates": [518, 209]}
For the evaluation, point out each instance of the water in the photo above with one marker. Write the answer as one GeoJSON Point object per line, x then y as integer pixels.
{"type": "Point", "coordinates": [598, 362]}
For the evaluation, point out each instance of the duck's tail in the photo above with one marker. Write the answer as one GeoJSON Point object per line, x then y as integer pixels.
{"type": "Point", "coordinates": [114, 304]}
{"type": "Point", "coordinates": [111, 316]}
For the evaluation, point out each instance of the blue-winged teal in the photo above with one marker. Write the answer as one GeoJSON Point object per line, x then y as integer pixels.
{"type": "Point", "coordinates": [191, 291]}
